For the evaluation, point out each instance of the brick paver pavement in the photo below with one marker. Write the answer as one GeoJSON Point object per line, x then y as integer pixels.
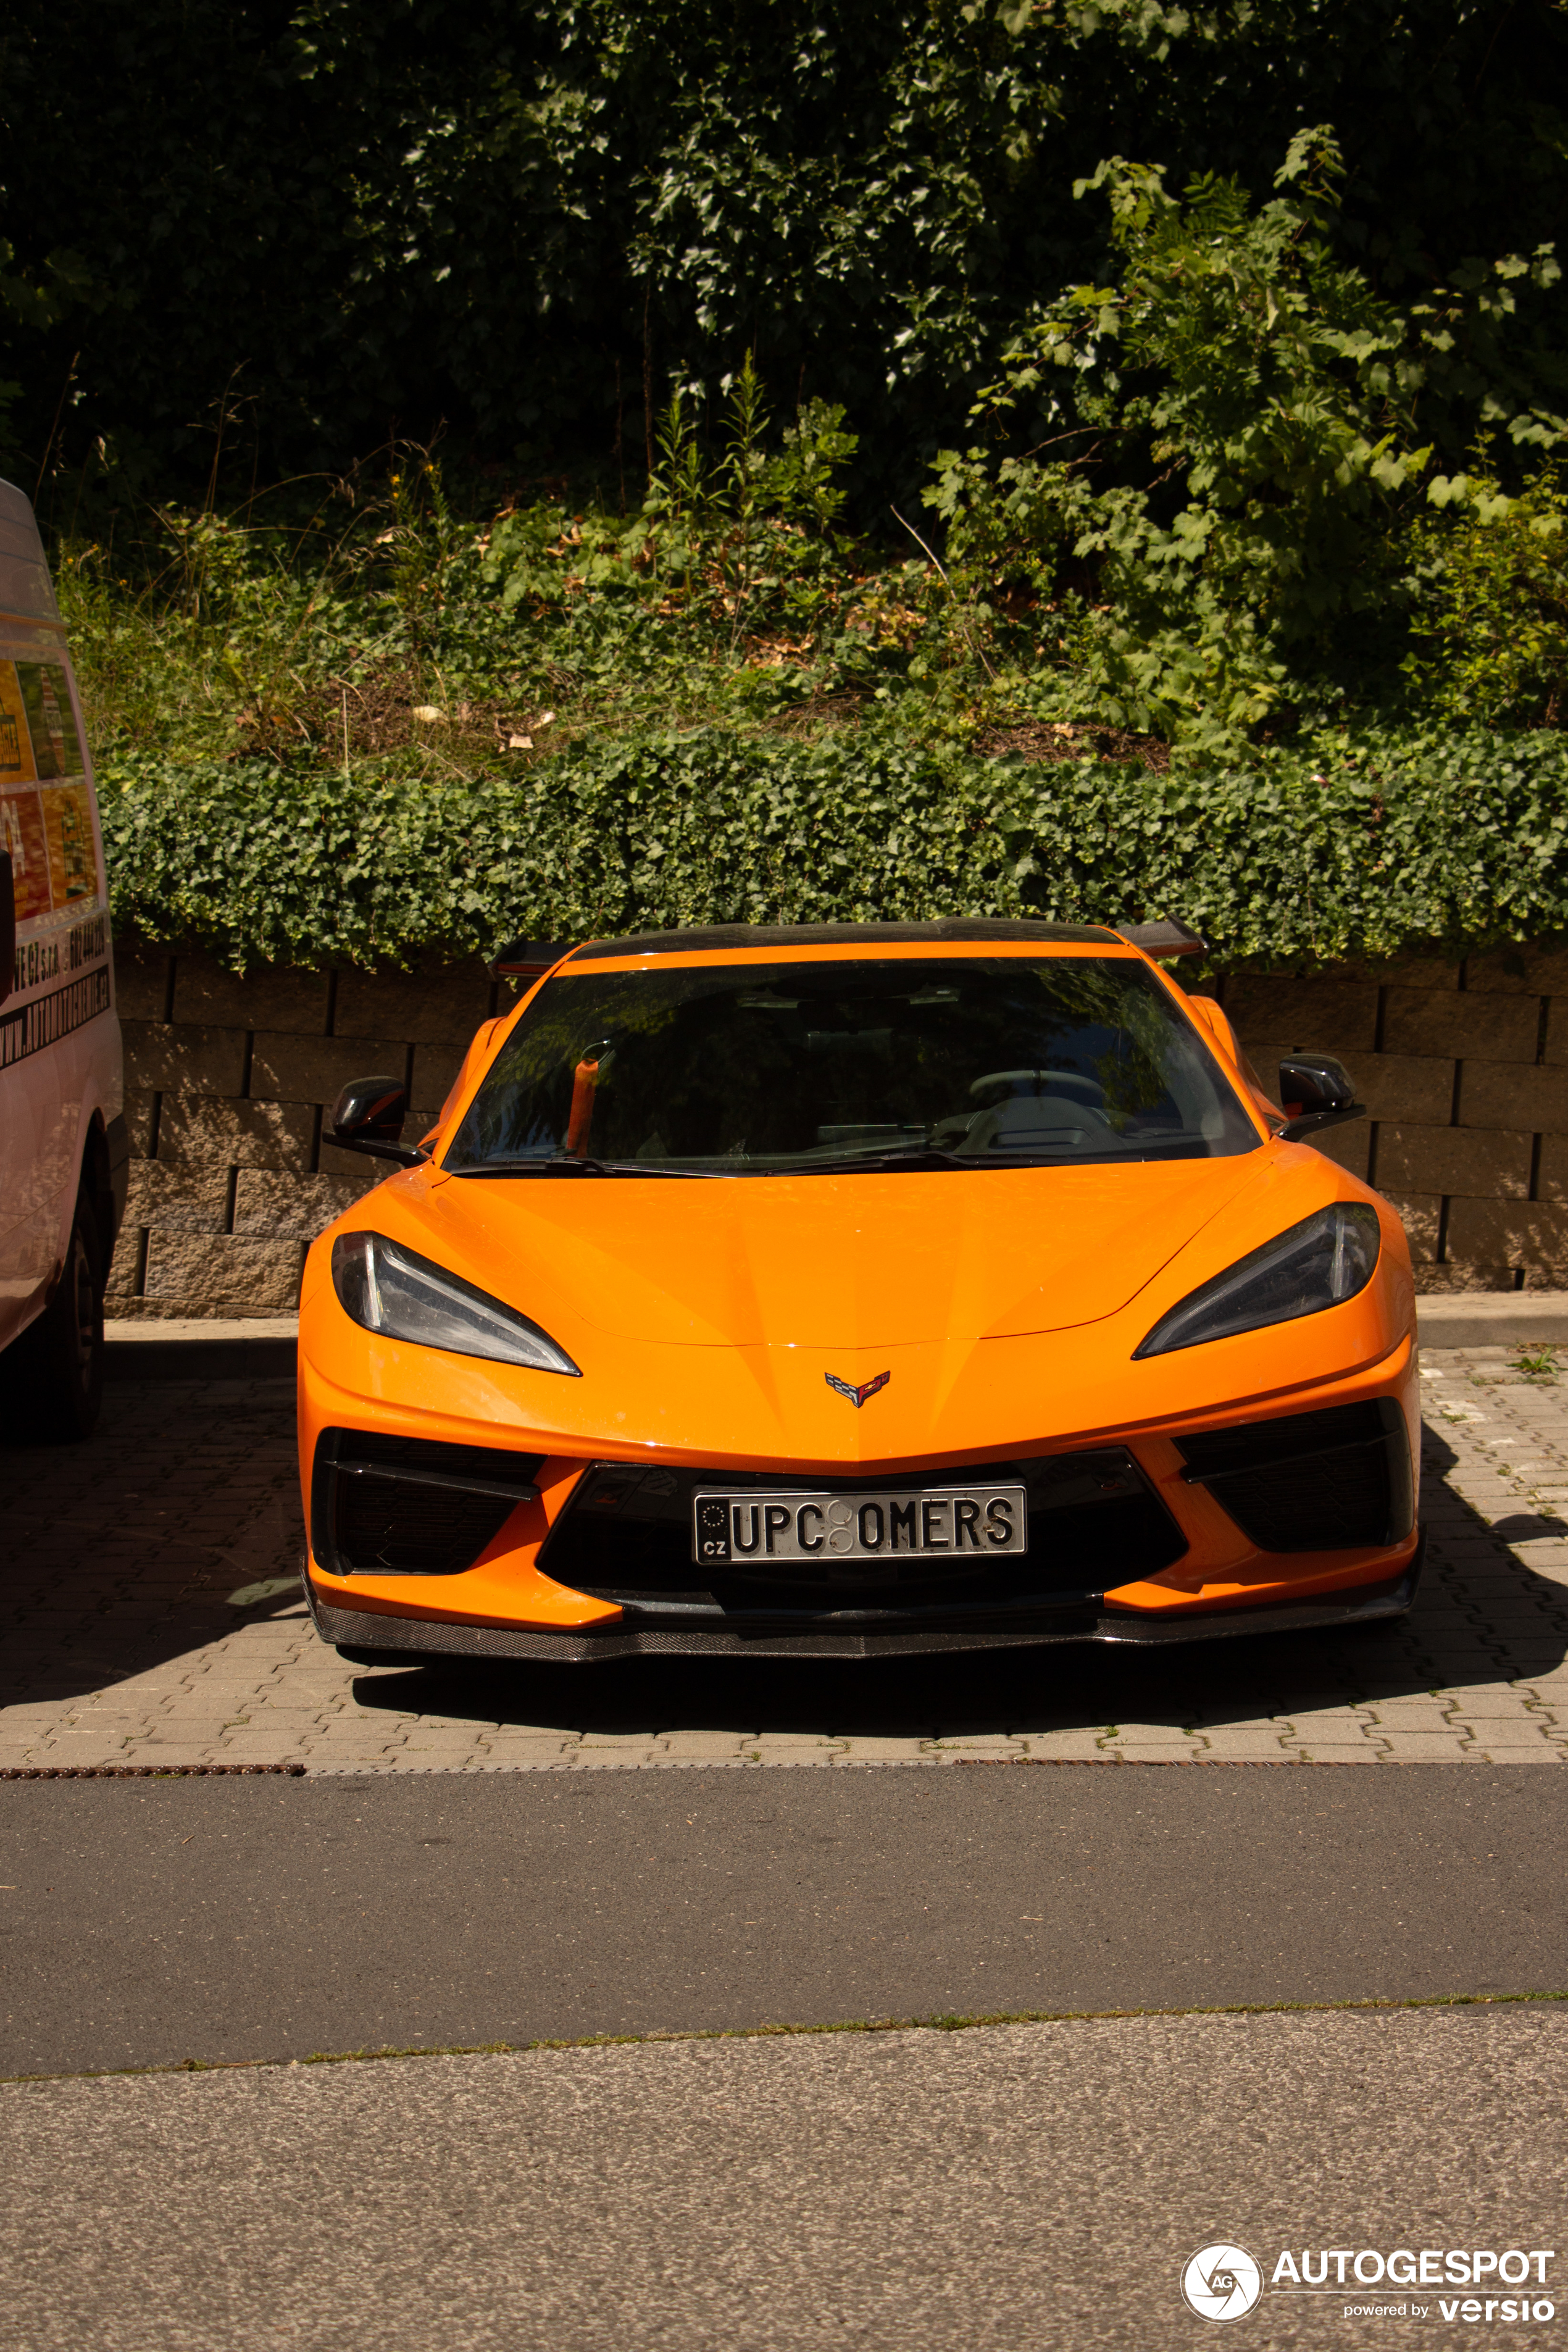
{"type": "Point", "coordinates": [152, 1616]}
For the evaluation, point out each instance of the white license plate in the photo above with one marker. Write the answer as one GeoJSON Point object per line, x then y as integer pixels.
{"type": "Point", "coordinates": [967, 1524]}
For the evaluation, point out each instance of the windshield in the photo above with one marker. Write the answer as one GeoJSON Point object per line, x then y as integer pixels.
{"type": "Point", "coordinates": [791, 1067]}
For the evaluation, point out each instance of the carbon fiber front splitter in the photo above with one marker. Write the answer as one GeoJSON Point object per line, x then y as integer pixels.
{"type": "Point", "coordinates": [371, 1639]}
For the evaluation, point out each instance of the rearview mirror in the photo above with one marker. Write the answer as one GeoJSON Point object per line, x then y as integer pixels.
{"type": "Point", "coordinates": [7, 925]}
{"type": "Point", "coordinates": [368, 1117]}
{"type": "Point", "coordinates": [1315, 1092]}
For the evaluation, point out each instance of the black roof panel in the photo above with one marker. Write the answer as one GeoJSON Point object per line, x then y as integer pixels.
{"type": "Point", "coordinates": [976, 931]}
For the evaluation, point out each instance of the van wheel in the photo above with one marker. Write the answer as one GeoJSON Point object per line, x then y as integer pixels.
{"type": "Point", "coordinates": [55, 1370]}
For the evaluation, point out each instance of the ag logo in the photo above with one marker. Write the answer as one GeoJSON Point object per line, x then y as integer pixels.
{"type": "Point", "coordinates": [1222, 2282]}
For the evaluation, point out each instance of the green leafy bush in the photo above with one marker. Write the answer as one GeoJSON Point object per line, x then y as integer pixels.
{"type": "Point", "coordinates": [382, 621]}
{"type": "Point", "coordinates": [312, 216]}
{"type": "Point", "coordinates": [1275, 415]}
{"type": "Point", "coordinates": [1491, 631]}
{"type": "Point", "coordinates": [1363, 847]}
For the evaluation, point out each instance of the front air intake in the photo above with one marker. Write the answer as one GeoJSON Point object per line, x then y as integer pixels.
{"type": "Point", "coordinates": [626, 1535]}
{"type": "Point", "coordinates": [385, 1505]}
{"type": "Point", "coordinates": [1323, 1481]}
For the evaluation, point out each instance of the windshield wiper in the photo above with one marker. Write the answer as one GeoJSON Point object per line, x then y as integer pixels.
{"type": "Point", "coordinates": [911, 1155]}
{"type": "Point", "coordinates": [562, 1166]}
{"type": "Point", "coordinates": [920, 1156]}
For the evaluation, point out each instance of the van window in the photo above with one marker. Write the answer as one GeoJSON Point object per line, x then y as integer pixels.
{"type": "Point", "coordinates": [45, 803]}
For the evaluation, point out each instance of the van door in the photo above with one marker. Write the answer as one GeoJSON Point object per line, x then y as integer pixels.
{"type": "Point", "coordinates": [59, 1045]}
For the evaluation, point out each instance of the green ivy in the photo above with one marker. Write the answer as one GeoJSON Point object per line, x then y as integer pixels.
{"type": "Point", "coordinates": [1350, 847]}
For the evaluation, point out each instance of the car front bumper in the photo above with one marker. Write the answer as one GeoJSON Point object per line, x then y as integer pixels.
{"type": "Point", "coordinates": [382, 1640]}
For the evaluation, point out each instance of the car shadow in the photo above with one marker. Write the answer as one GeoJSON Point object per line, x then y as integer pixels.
{"type": "Point", "coordinates": [176, 1522]}
{"type": "Point", "coordinates": [1482, 1616]}
{"type": "Point", "coordinates": [179, 1523]}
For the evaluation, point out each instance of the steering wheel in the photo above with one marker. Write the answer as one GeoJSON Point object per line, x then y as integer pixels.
{"type": "Point", "coordinates": [1088, 1091]}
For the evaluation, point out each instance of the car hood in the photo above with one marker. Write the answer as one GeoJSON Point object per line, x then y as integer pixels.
{"type": "Point", "coordinates": [826, 1261]}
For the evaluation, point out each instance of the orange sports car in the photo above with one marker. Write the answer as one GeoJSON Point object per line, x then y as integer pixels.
{"type": "Point", "coordinates": [850, 1291]}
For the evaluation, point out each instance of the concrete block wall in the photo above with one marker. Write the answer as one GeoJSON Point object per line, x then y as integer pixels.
{"type": "Point", "coordinates": [1463, 1066]}
{"type": "Point", "coordinates": [1464, 1071]}
{"type": "Point", "coordinates": [226, 1081]}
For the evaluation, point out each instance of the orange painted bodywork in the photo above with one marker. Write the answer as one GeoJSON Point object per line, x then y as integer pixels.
{"type": "Point", "coordinates": [1006, 1302]}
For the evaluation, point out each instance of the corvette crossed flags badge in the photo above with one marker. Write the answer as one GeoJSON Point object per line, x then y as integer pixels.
{"type": "Point", "coordinates": [857, 1396]}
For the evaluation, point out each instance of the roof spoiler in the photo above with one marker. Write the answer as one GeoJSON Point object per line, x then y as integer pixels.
{"type": "Point", "coordinates": [1164, 939]}
{"type": "Point", "coordinates": [526, 958]}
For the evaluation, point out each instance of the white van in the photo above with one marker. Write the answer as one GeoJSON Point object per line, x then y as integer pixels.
{"type": "Point", "coordinates": [64, 1150]}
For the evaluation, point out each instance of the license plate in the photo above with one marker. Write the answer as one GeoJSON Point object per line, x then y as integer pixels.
{"type": "Point", "coordinates": [967, 1524]}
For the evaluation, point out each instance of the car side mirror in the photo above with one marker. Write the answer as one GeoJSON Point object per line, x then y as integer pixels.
{"type": "Point", "coordinates": [7, 925]}
{"type": "Point", "coordinates": [368, 1117]}
{"type": "Point", "coordinates": [1315, 1092]}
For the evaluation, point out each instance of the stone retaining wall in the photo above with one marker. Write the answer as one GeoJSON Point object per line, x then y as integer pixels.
{"type": "Point", "coordinates": [1463, 1067]}
{"type": "Point", "coordinates": [1464, 1071]}
{"type": "Point", "coordinates": [225, 1083]}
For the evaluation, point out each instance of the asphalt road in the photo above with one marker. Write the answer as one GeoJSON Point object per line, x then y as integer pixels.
{"type": "Point", "coordinates": [149, 1922]}
{"type": "Point", "coordinates": [1018, 2188]}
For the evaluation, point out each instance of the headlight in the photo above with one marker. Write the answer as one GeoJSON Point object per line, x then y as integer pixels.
{"type": "Point", "coordinates": [1316, 1264]}
{"type": "Point", "coordinates": [389, 1288]}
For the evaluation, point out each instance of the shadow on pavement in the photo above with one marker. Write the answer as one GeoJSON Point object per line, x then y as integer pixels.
{"type": "Point", "coordinates": [126, 1554]}
{"type": "Point", "coordinates": [122, 1552]}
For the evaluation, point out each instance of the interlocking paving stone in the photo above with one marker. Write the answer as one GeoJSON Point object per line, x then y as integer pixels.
{"type": "Point", "coordinates": [121, 1644]}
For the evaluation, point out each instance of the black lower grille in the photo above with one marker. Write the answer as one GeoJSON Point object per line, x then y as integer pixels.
{"type": "Point", "coordinates": [625, 1536]}
{"type": "Point", "coordinates": [387, 1506]}
{"type": "Point", "coordinates": [1323, 1481]}
{"type": "Point", "coordinates": [387, 1528]}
